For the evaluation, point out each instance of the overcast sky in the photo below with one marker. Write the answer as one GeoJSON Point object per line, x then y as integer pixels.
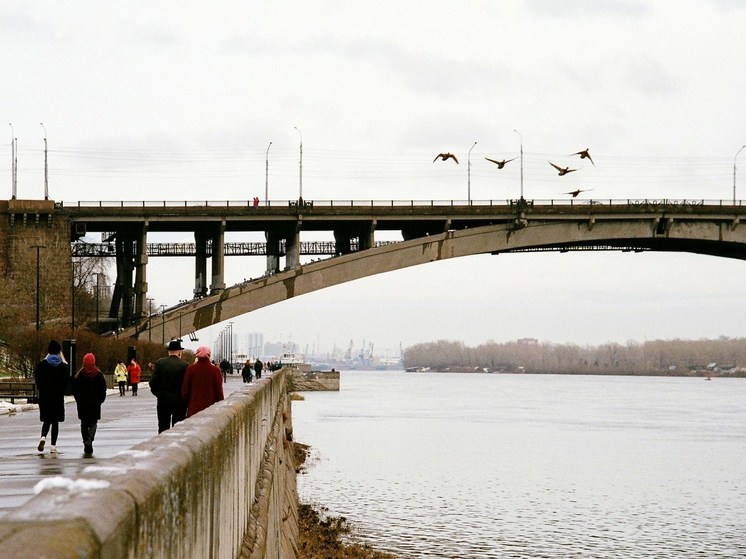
{"type": "Point", "coordinates": [179, 101]}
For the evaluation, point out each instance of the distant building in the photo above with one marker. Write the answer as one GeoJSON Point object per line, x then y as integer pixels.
{"type": "Point", "coordinates": [527, 341]}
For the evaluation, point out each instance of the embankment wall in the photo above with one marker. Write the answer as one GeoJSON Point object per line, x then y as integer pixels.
{"type": "Point", "coordinates": [219, 485]}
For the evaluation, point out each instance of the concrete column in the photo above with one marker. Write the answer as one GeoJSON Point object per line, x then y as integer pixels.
{"type": "Point", "coordinates": [141, 283]}
{"type": "Point", "coordinates": [218, 260]}
{"type": "Point", "coordinates": [200, 264]}
{"type": "Point", "coordinates": [292, 250]}
{"type": "Point", "coordinates": [273, 251]}
{"type": "Point", "coordinates": [342, 241]}
{"type": "Point", "coordinates": [128, 292]}
{"type": "Point", "coordinates": [367, 237]}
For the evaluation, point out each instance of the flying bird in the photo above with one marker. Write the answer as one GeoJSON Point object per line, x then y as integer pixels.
{"type": "Point", "coordinates": [575, 193]}
{"type": "Point", "coordinates": [445, 157]}
{"type": "Point", "coordinates": [585, 154]}
{"type": "Point", "coordinates": [562, 170]}
{"type": "Point", "coordinates": [500, 164]}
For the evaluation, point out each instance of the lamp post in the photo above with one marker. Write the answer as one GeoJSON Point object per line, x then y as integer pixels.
{"type": "Point", "coordinates": [468, 175]}
{"type": "Point", "coordinates": [230, 345]}
{"type": "Point", "coordinates": [266, 177]}
{"type": "Point", "coordinates": [300, 188]}
{"type": "Point", "coordinates": [734, 173]}
{"type": "Point", "coordinates": [46, 173]}
{"type": "Point", "coordinates": [98, 287]}
{"type": "Point", "coordinates": [163, 324]}
{"type": "Point", "coordinates": [12, 161]}
{"type": "Point", "coordinates": [38, 284]}
{"type": "Point", "coordinates": [521, 137]}
{"type": "Point", "coordinates": [150, 317]}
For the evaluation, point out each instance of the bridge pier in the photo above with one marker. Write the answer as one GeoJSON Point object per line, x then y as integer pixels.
{"type": "Point", "coordinates": [292, 249]}
{"type": "Point", "coordinates": [218, 259]}
{"type": "Point", "coordinates": [141, 266]}
{"type": "Point", "coordinates": [200, 264]}
{"type": "Point", "coordinates": [273, 251]}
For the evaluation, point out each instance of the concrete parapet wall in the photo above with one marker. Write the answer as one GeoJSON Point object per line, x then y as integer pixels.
{"type": "Point", "coordinates": [219, 485]}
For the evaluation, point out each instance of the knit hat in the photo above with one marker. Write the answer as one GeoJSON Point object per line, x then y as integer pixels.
{"type": "Point", "coordinates": [54, 347]}
{"type": "Point", "coordinates": [89, 361]}
{"type": "Point", "coordinates": [204, 351]}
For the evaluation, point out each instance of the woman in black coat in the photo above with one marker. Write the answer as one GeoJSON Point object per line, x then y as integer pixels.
{"type": "Point", "coordinates": [51, 376]}
{"type": "Point", "coordinates": [89, 388]}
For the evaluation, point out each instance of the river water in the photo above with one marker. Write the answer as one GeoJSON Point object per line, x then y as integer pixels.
{"type": "Point", "coordinates": [531, 466]}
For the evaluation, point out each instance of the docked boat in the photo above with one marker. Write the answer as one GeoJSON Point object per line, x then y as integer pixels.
{"type": "Point", "coordinates": [294, 361]}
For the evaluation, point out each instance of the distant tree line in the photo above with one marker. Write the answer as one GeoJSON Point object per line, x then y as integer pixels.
{"type": "Point", "coordinates": [723, 356]}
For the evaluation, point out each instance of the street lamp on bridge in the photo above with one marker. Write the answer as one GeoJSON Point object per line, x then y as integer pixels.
{"type": "Point", "coordinates": [300, 188]}
{"type": "Point", "coordinates": [46, 172]}
{"type": "Point", "coordinates": [266, 177]}
{"type": "Point", "coordinates": [734, 173]}
{"type": "Point", "coordinates": [521, 137]}
{"type": "Point", "coordinates": [468, 174]}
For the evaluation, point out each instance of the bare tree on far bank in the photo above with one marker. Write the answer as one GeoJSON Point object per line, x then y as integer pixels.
{"type": "Point", "coordinates": [723, 356]}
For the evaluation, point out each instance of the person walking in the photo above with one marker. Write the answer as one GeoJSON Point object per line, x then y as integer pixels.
{"type": "Point", "coordinates": [203, 383]}
{"type": "Point", "coordinates": [258, 366]}
{"type": "Point", "coordinates": [246, 371]}
{"type": "Point", "coordinates": [89, 389]}
{"type": "Point", "coordinates": [51, 375]}
{"type": "Point", "coordinates": [120, 375]}
{"type": "Point", "coordinates": [165, 384]}
{"type": "Point", "coordinates": [134, 371]}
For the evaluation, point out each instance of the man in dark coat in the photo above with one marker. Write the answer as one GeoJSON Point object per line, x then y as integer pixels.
{"type": "Point", "coordinates": [89, 389]}
{"type": "Point", "coordinates": [51, 376]}
{"type": "Point", "coordinates": [258, 365]}
{"type": "Point", "coordinates": [165, 384]}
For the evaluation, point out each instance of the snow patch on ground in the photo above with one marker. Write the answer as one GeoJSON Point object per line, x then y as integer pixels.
{"type": "Point", "coordinates": [73, 486]}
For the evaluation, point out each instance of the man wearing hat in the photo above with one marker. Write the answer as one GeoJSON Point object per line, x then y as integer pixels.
{"type": "Point", "coordinates": [165, 384]}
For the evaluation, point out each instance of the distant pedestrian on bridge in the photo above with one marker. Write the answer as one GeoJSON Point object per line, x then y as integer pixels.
{"type": "Point", "coordinates": [258, 366]}
{"type": "Point", "coordinates": [51, 375]}
{"type": "Point", "coordinates": [166, 383]}
{"type": "Point", "coordinates": [134, 371]}
{"type": "Point", "coordinates": [89, 389]}
{"type": "Point", "coordinates": [203, 383]}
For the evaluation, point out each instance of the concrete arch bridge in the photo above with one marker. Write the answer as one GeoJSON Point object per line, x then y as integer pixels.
{"type": "Point", "coordinates": [430, 232]}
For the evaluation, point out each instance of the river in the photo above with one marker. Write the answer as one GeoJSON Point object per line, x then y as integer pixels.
{"type": "Point", "coordinates": [440, 465]}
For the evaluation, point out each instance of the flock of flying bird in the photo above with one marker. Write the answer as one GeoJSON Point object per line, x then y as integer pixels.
{"type": "Point", "coordinates": [584, 154]}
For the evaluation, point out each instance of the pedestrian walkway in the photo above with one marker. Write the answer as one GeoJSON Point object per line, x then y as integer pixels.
{"type": "Point", "coordinates": [125, 421]}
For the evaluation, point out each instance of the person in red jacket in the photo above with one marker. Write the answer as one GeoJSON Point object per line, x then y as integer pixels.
{"type": "Point", "coordinates": [203, 383]}
{"type": "Point", "coordinates": [133, 369]}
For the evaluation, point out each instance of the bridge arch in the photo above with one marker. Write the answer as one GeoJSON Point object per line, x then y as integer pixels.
{"type": "Point", "coordinates": [718, 238]}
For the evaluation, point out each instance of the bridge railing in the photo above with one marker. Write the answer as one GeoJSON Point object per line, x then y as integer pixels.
{"type": "Point", "coordinates": [309, 204]}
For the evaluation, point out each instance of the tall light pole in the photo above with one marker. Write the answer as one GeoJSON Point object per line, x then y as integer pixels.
{"type": "Point", "coordinates": [468, 175]}
{"type": "Point", "coordinates": [300, 191]}
{"type": "Point", "coordinates": [150, 317]}
{"type": "Point", "coordinates": [521, 137]}
{"type": "Point", "coordinates": [12, 161]}
{"type": "Point", "coordinates": [46, 171]}
{"type": "Point", "coordinates": [734, 173]}
{"type": "Point", "coordinates": [266, 177]}
{"type": "Point", "coordinates": [38, 284]}
{"type": "Point", "coordinates": [163, 324]}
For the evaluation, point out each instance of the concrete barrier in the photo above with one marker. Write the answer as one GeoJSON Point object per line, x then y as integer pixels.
{"type": "Point", "coordinates": [218, 485]}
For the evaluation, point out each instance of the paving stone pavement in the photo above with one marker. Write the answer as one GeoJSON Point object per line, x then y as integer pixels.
{"type": "Point", "coordinates": [125, 421]}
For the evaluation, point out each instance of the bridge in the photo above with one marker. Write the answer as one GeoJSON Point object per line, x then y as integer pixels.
{"type": "Point", "coordinates": [430, 230]}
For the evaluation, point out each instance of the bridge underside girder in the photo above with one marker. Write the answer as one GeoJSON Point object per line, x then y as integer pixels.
{"type": "Point", "coordinates": [711, 237]}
